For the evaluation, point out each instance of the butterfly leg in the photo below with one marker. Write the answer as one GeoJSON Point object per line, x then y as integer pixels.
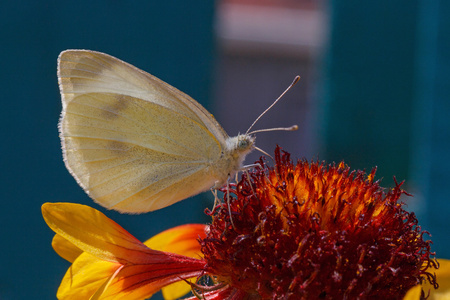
{"type": "Point", "coordinates": [216, 198]}
{"type": "Point", "coordinates": [228, 201]}
{"type": "Point", "coordinates": [249, 182]}
{"type": "Point", "coordinates": [247, 167]}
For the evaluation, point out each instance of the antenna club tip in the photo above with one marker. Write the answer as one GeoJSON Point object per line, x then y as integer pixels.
{"type": "Point", "coordinates": [296, 79]}
{"type": "Point", "coordinates": [294, 128]}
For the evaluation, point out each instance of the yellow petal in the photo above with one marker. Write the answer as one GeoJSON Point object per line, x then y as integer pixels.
{"type": "Point", "coordinates": [93, 232]}
{"type": "Point", "coordinates": [65, 249]}
{"type": "Point", "coordinates": [413, 293]}
{"type": "Point", "coordinates": [176, 290]}
{"type": "Point", "coordinates": [180, 240]}
{"type": "Point", "coordinates": [443, 279]}
{"type": "Point", "coordinates": [86, 275]}
{"type": "Point", "coordinates": [99, 294]}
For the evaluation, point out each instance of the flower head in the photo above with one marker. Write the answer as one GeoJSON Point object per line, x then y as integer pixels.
{"type": "Point", "coordinates": [295, 231]}
{"type": "Point", "coordinates": [310, 231]}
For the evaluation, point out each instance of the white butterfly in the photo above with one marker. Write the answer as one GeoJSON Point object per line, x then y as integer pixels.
{"type": "Point", "coordinates": [133, 142]}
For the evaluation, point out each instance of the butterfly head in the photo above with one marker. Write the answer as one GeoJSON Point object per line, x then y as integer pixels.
{"type": "Point", "coordinates": [240, 145]}
{"type": "Point", "coordinates": [237, 148]}
{"type": "Point", "coordinates": [245, 143]}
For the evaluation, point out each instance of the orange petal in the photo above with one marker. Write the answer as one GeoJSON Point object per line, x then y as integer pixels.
{"type": "Point", "coordinates": [141, 281]}
{"type": "Point", "coordinates": [114, 263]}
{"type": "Point", "coordinates": [180, 240]}
{"type": "Point", "coordinates": [93, 232]}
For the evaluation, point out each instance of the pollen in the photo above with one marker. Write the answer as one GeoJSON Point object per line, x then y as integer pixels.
{"type": "Point", "coordinates": [307, 230]}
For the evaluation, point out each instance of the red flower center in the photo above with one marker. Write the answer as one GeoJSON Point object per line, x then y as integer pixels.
{"type": "Point", "coordinates": [311, 231]}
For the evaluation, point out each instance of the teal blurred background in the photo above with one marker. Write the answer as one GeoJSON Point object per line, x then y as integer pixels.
{"type": "Point", "coordinates": [173, 40]}
{"type": "Point", "coordinates": [374, 92]}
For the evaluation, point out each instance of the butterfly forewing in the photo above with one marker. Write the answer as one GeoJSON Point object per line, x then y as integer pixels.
{"type": "Point", "coordinates": [84, 71]}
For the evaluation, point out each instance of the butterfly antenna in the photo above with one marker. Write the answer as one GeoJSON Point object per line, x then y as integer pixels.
{"type": "Point", "coordinates": [292, 128]}
{"type": "Point", "coordinates": [296, 79]}
{"type": "Point", "coordinates": [263, 152]}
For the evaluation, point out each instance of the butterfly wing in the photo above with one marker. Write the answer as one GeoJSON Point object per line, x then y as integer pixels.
{"type": "Point", "coordinates": [133, 142]}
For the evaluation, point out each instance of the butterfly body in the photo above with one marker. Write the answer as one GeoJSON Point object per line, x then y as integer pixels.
{"type": "Point", "coordinates": [135, 143]}
{"type": "Point", "coordinates": [232, 157]}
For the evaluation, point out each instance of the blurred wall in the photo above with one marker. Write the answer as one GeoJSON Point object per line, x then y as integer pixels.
{"type": "Point", "coordinates": [170, 39]}
{"type": "Point", "coordinates": [262, 46]}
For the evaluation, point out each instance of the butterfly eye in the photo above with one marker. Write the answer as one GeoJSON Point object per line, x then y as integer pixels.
{"type": "Point", "coordinates": [243, 144]}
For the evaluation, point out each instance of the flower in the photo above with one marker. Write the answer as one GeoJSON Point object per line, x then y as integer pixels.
{"type": "Point", "coordinates": [295, 231]}
{"type": "Point", "coordinates": [109, 263]}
